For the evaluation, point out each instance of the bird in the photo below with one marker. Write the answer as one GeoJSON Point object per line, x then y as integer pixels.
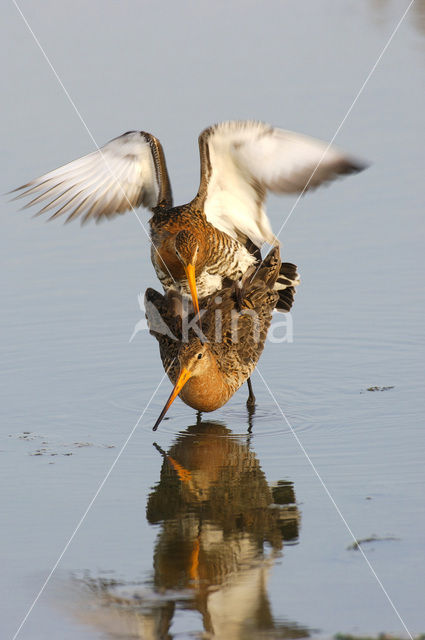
{"type": "Point", "coordinates": [220, 232]}
{"type": "Point", "coordinates": [207, 366]}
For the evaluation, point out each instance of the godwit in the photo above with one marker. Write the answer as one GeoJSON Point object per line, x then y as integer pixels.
{"type": "Point", "coordinates": [220, 232]}
{"type": "Point", "coordinates": [206, 370]}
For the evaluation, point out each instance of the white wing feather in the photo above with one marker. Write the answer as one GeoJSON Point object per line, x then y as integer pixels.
{"type": "Point", "coordinates": [118, 177]}
{"type": "Point", "coordinates": [244, 160]}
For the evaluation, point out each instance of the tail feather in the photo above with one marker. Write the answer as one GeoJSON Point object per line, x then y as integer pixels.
{"type": "Point", "coordinates": [285, 285]}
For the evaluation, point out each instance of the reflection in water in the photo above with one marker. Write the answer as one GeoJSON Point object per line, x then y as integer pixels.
{"type": "Point", "coordinates": [222, 526]}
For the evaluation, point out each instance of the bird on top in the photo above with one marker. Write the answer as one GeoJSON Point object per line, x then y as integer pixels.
{"type": "Point", "coordinates": [219, 234]}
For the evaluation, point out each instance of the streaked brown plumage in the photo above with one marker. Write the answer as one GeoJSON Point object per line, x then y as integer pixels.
{"type": "Point", "coordinates": [225, 225]}
{"type": "Point", "coordinates": [207, 369]}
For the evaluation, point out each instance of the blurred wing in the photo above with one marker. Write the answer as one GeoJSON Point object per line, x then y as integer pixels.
{"type": "Point", "coordinates": [241, 161]}
{"type": "Point", "coordinates": [129, 171]}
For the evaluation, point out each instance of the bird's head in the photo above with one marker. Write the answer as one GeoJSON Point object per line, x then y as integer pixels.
{"type": "Point", "coordinates": [195, 356]}
{"type": "Point", "coordinates": [187, 250]}
{"type": "Point", "coordinates": [194, 359]}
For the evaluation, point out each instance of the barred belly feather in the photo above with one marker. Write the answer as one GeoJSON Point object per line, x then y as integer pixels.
{"type": "Point", "coordinates": [229, 259]}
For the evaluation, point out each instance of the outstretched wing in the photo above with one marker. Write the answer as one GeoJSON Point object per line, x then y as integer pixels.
{"type": "Point", "coordinates": [129, 171]}
{"type": "Point", "coordinates": [241, 161]}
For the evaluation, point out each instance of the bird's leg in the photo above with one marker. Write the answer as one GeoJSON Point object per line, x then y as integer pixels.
{"type": "Point", "coordinates": [251, 412]}
{"type": "Point", "coordinates": [250, 403]}
{"type": "Point", "coordinates": [198, 418]}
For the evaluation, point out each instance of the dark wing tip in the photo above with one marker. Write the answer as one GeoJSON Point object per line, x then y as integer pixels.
{"type": "Point", "coordinates": [351, 165]}
{"type": "Point", "coordinates": [325, 173]}
{"type": "Point", "coordinates": [151, 295]}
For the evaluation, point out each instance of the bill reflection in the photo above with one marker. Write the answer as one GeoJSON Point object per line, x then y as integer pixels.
{"type": "Point", "coordinates": [222, 526]}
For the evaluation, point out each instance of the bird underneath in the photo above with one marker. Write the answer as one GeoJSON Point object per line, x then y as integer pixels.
{"type": "Point", "coordinates": [208, 367]}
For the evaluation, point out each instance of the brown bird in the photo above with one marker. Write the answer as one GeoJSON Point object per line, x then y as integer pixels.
{"type": "Point", "coordinates": [217, 235]}
{"type": "Point", "coordinates": [208, 367]}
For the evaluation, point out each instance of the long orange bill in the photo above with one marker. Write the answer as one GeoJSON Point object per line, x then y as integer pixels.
{"type": "Point", "coordinates": [190, 274]}
{"type": "Point", "coordinates": [181, 381]}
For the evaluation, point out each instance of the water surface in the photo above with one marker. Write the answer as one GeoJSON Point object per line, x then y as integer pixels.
{"type": "Point", "coordinates": [221, 527]}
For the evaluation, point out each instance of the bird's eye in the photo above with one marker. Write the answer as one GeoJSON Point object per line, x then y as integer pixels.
{"type": "Point", "coordinates": [199, 356]}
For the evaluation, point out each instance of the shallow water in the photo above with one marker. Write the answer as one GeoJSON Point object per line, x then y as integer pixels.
{"type": "Point", "coordinates": [222, 527]}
